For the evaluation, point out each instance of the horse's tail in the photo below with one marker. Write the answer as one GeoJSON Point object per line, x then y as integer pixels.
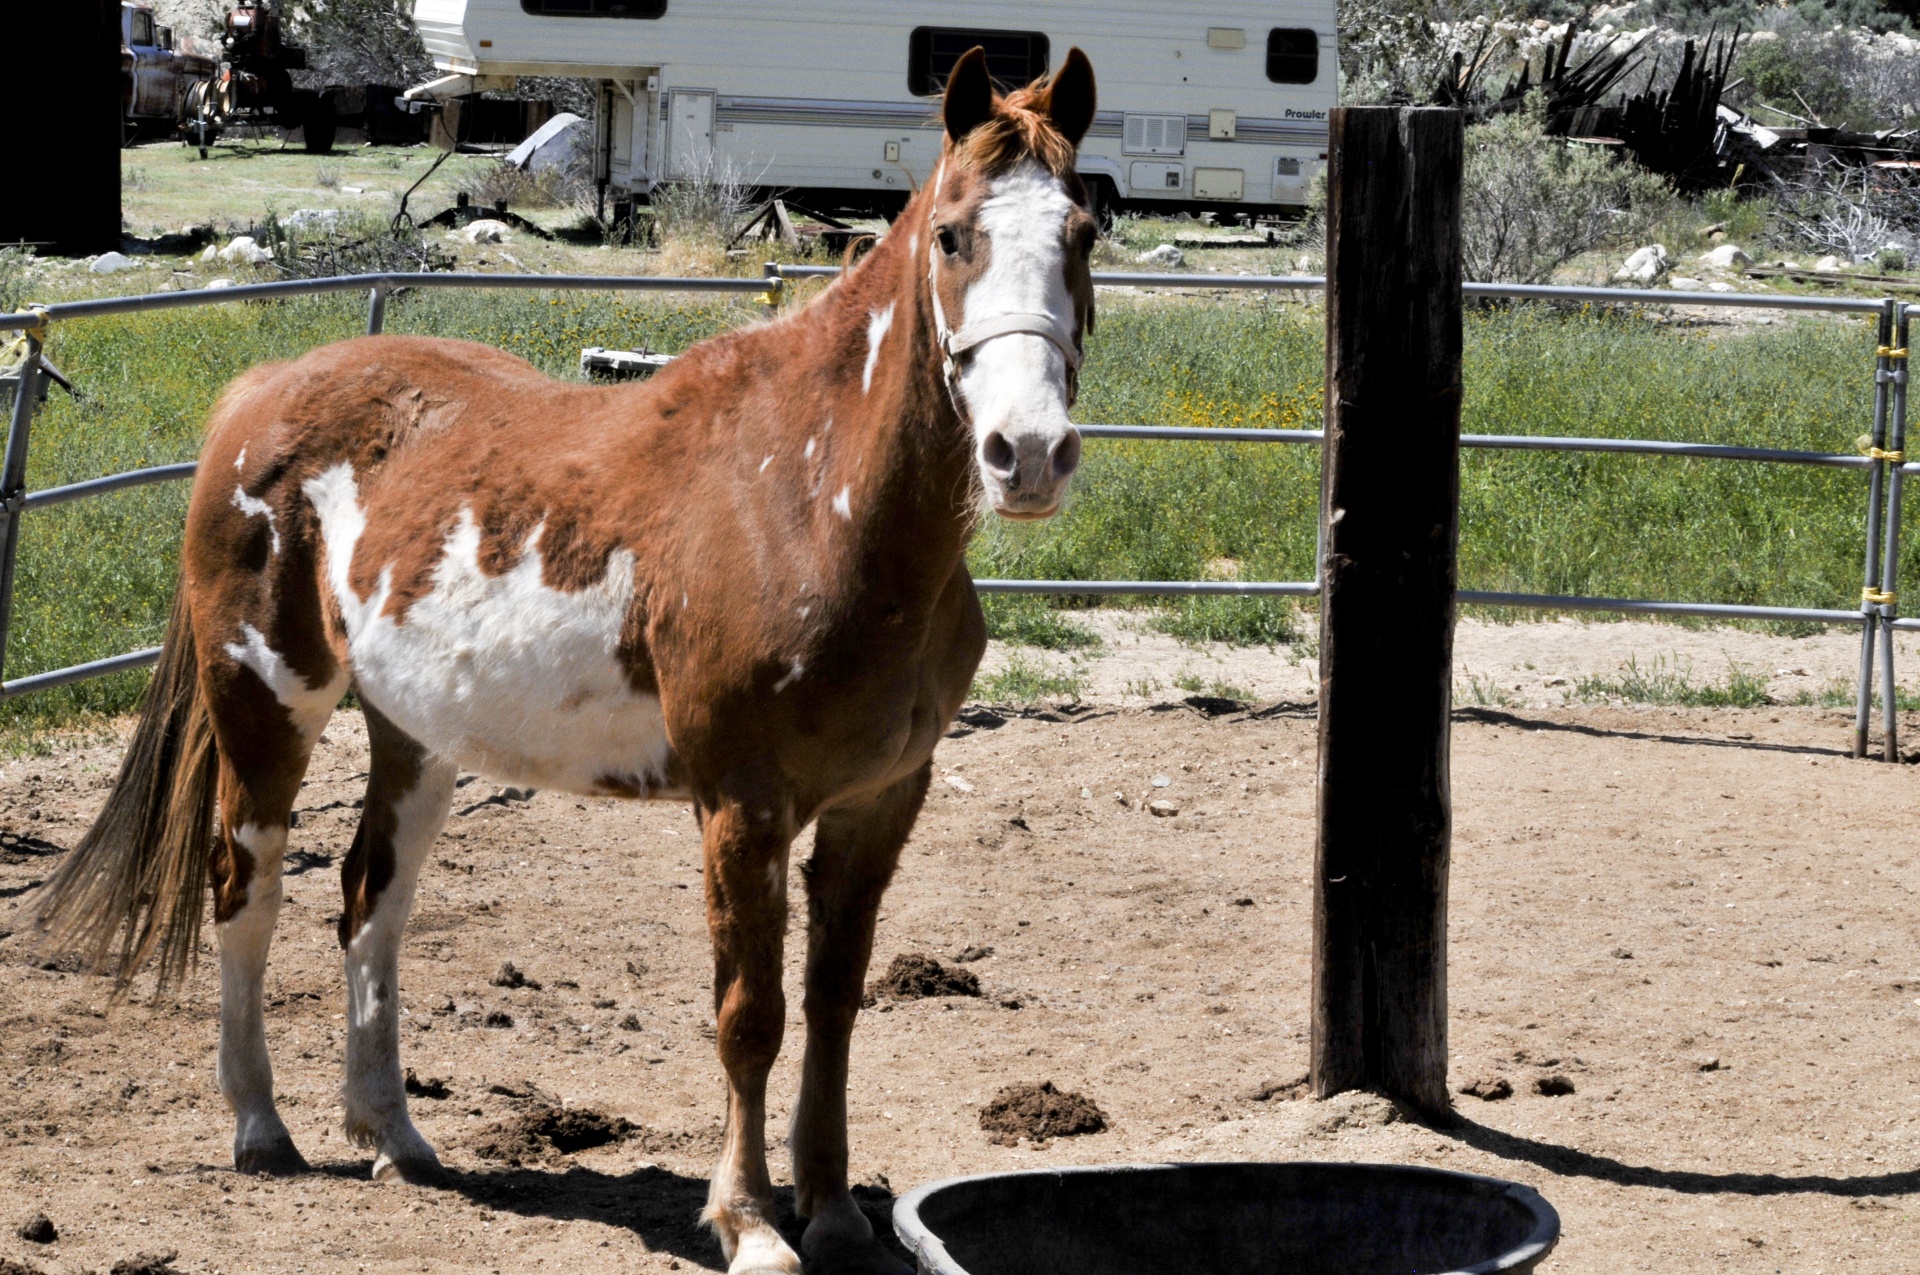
{"type": "Point", "coordinates": [138, 880]}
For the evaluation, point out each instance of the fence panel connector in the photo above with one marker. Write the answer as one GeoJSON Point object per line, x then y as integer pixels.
{"type": "Point", "coordinates": [1889, 603]}
{"type": "Point", "coordinates": [1876, 493]}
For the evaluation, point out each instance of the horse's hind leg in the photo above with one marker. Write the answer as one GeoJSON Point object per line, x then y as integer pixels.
{"type": "Point", "coordinates": [265, 740]}
{"type": "Point", "coordinates": [855, 850]}
{"type": "Point", "coordinates": [408, 794]}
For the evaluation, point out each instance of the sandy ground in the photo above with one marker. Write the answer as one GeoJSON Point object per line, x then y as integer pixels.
{"type": "Point", "coordinates": [1702, 919]}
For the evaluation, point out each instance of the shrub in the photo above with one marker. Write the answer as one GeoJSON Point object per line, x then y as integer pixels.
{"type": "Point", "coordinates": [1531, 203]}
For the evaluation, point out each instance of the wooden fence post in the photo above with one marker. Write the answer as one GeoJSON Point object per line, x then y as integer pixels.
{"type": "Point", "coordinates": [1389, 514]}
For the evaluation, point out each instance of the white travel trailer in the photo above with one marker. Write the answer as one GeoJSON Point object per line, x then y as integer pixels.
{"type": "Point", "coordinates": [1219, 106]}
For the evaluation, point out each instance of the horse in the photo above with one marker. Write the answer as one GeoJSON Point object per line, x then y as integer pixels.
{"type": "Point", "coordinates": [741, 585]}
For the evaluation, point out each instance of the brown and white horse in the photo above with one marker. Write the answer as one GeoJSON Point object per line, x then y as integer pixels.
{"type": "Point", "coordinates": [740, 585]}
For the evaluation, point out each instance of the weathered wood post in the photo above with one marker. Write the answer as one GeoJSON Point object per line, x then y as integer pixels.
{"type": "Point", "coordinates": [1389, 514]}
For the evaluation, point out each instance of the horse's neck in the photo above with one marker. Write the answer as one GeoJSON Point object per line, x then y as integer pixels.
{"type": "Point", "coordinates": [904, 482]}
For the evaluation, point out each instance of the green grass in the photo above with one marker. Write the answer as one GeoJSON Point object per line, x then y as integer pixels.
{"type": "Point", "coordinates": [1663, 683]}
{"type": "Point", "coordinates": [96, 576]}
{"type": "Point", "coordinates": [1267, 622]}
{"type": "Point", "coordinates": [1027, 620]}
{"type": "Point", "coordinates": [1027, 681]}
{"type": "Point", "coordinates": [1839, 693]}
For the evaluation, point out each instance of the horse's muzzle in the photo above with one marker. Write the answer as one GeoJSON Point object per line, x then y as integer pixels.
{"type": "Point", "coordinates": [1026, 475]}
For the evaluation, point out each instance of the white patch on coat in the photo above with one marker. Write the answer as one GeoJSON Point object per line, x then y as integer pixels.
{"type": "Point", "coordinates": [254, 507]}
{"type": "Point", "coordinates": [807, 452]}
{"type": "Point", "coordinates": [1017, 384]}
{"type": "Point", "coordinates": [843, 504]}
{"type": "Point", "coordinates": [794, 674]}
{"type": "Point", "coordinates": [765, 463]}
{"type": "Point", "coordinates": [240, 461]}
{"type": "Point", "coordinates": [878, 324]}
{"type": "Point", "coordinates": [500, 673]}
{"type": "Point", "coordinates": [308, 706]}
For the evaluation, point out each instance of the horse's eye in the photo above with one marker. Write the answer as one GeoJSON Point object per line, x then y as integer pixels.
{"type": "Point", "coordinates": [948, 244]}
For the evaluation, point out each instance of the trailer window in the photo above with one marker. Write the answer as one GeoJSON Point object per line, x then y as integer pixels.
{"type": "Point", "coordinates": [142, 30]}
{"type": "Point", "coordinates": [1014, 58]}
{"type": "Point", "coordinates": [1293, 55]}
{"type": "Point", "coordinates": [595, 8]}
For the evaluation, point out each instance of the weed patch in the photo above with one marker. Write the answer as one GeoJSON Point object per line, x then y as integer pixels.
{"type": "Point", "coordinates": [1663, 683]}
{"type": "Point", "coordinates": [1026, 681]}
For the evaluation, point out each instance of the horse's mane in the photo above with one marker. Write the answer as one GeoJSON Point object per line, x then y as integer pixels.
{"type": "Point", "coordinates": [1014, 131]}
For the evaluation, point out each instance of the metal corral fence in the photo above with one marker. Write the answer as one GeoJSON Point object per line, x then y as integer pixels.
{"type": "Point", "coordinates": [1884, 460]}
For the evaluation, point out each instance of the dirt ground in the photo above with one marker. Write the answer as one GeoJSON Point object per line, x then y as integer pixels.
{"type": "Point", "coordinates": [1702, 921]}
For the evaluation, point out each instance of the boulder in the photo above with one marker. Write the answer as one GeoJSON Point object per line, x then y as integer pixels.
{"type": "Point", "coordinates": [242, 248]}
{"type": "Point", "coordinates": [1828, 265]}
{"type": "Point", "coordinates": [1720, 285]}
{"type": "Point", "coordinates": [1165, 255]}
{"type": "Point", "coordinates": [219, 283]}
{"type": "Point", "coordinates": [112, 263]}
{"type": "Point", "coordinates": [1645, 264]}
{"type": "Point", "coordinates": [1684, 284]}
{"type": "Point", "coordinates": [1726, 257]}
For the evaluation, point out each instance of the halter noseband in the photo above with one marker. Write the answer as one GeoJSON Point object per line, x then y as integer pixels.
{"type": "Point", "coordinates": [991, 327]}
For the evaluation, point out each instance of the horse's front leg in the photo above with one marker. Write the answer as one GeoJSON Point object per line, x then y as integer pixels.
{"type": "Point", "coordinates": [855, 850]}
{"type": "Point", "coordinates": [746, 834]}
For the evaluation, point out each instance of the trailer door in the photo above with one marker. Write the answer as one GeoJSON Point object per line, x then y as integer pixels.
{"type": "Point", "coordinates": [689, 134]}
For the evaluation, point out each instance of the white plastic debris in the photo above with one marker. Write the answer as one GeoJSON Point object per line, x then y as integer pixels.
{"type": "Point", "coordinates": [1165, 255]}
{"type": "Point", "coordinates": [486, 230]}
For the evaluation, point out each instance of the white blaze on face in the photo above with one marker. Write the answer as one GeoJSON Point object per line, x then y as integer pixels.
{"type": "Point", "coordinates": [1016, 385]}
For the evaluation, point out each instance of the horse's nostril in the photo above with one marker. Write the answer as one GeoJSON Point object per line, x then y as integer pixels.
{"type": "Point", "coordinates": [997, 454]}
{"type": "Point", "coordinates": [1066, 455]}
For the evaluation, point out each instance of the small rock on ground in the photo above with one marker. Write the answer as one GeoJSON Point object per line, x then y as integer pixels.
{"type": "Point", "coordinates": [37, 1229]}
{"type": "Point", "coordinates": [1554, 1086]}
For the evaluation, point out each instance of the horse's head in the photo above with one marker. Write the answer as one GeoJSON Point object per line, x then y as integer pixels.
{"type": "Point", "coordinates": [1007, 241]}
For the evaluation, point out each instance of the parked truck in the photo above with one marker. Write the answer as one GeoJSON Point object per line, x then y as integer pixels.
{"type": "Point", "coordinates": [156, 79]}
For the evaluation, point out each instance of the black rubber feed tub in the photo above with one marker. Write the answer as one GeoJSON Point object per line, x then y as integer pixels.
{"type": "Point", "coordinates": [1227, 1219]}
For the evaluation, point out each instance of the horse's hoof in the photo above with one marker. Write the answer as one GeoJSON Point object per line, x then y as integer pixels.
{"type": "Point", "coordinates": [279, 1159]}
{"type": "Point", "coordinates": [848, 1255]}
{"type": "Point", "coordinates": [413, 1170]}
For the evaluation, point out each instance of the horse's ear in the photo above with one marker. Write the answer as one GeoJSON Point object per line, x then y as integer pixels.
{"type": "Point", "coordinates": [969, 101]}
{"type": "Point", "coordinates": [1069, 99]}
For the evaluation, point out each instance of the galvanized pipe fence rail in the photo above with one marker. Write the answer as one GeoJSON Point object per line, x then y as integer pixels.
{"type": "Point", "coordinates": [1883, 460]}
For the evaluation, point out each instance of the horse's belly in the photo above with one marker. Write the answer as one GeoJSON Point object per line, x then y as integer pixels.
{"type": "Point", "coordinates": [501, 672]}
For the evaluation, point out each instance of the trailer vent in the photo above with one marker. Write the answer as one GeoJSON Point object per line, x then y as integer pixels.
{"type": "Point", "coordinates": [1154, 135]}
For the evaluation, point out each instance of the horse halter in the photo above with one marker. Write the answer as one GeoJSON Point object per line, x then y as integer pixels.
{"type": "Point", "coordinates": [991, 327]}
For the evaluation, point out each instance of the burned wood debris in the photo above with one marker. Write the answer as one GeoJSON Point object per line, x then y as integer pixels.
{"type": "Point", "coordinates": [1681, 126]}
